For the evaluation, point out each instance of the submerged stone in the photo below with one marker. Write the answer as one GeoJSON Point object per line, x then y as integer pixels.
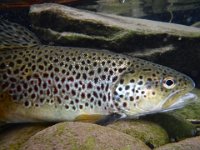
{"type": "Point", "coordinates": [187, 144]}
{"type": "Point", "coordinates": [82, 136]}
{"type": "Point", "coordinates": [177, 127]}
{"type": "Point", "coordinates": [148, 132]}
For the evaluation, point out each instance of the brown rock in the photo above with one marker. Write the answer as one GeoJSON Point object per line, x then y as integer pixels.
{"type": "Point", "coordinates": [82, 136]}
{"type": "Point", "coordinates": [188, 144]}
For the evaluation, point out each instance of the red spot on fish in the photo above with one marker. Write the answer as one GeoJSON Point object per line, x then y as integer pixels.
{"type": "Point", "coordinates": [67, 87]}
{"type": "Point", "coordinates": [83, 95]}
{"type": "Point", "coordinates": [49, 81]}
{"type": "Point", "coordinates": [89, 86]}
{"type": "Point", "coordinates": [48, 92]}
{"type": "Point", "coordinates": [71, 79]}
{"type": "Point", "coordinates": [55, 91]}
{"type": "Point", "coordinates": [63, 80]}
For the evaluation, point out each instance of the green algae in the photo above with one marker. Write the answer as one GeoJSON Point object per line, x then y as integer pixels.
{"type": "Point", "coordinates": [146, 131]}
{"type": "Point", "coordinates": [176, 127]}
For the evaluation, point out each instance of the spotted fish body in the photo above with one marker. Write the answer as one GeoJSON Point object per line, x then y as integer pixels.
{"type": "Point", "coordinates": [48, 83]}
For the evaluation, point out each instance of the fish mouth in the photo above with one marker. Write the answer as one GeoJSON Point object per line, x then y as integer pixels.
{"type": "Point", "coordinates": [182, 101]}
{"type": "Point", "coordinates": [176, 100]}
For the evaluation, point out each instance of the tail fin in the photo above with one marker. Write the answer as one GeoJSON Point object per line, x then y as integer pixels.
{"type": "Point", "coordinates": [13, 35]}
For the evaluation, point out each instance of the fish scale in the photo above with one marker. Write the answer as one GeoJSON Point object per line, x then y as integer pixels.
{"type": "Point", "coordinates": [51, 83]}
{"type": "Point", "coordinates": [78, 80]}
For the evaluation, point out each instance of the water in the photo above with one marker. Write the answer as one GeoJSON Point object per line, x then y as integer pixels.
{"type": "Point", "coordinates": [186, 12]}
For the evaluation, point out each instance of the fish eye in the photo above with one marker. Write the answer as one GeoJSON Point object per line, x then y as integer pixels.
{"type": "Point", "coordinates": [169, 83]}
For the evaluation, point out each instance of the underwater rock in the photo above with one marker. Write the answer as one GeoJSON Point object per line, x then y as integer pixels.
{"type": "Point", "coordinates": [68, 26]}
{"type": "Point", "coordinates": [81, 136]}
{"type": "Point", "coordinates": [148, 132]}
{"type": "Point", "coordinates": [14, 136]}
{"type": "Point", "coordinates": [196, 24]}
{"type": "Point", "coordinates": [172, 45]}
{"type": "Point", "coordinates": [187, 144]}
{"type": "Point", "coordinates": [176, 127]}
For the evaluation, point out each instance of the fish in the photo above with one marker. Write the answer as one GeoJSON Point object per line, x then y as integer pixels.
{"type": "Point", "coordinates": [42, 83]}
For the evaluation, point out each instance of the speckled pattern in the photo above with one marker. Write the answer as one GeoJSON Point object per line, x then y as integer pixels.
{"type": "Point", "coordinates": [78, 81]}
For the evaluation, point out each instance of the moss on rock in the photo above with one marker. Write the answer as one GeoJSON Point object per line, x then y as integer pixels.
{"type": "Point", "coordinates": [81, 136]}
{"type": "Point", "coordinates": [148, 132]}
{"type": "Point", "coordinates": [177, 127]}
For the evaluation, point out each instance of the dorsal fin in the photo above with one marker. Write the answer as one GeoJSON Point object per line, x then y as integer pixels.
{"type": "Point", "coordinates": [13, 35]}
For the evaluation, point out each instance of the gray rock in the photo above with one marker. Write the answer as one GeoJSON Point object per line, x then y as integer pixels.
{"type": "Point", "coordinates": [82, 136]}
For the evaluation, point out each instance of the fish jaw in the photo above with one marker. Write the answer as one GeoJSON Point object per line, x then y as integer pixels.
{"type": "Point", "coordinates": [182, 101]}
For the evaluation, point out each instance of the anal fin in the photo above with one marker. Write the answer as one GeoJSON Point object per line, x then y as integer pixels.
{"type": "Point", "coordinates": [13, 35]}
{"type": "Point", "coordinates": [89, 118]}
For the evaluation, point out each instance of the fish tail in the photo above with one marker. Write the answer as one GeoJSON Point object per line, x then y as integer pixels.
{"type": "Point", "coordinates": [13, 35]}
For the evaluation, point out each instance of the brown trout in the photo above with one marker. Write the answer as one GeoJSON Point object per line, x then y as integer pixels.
{"type": "Point", "coordinates": [51, 83]}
